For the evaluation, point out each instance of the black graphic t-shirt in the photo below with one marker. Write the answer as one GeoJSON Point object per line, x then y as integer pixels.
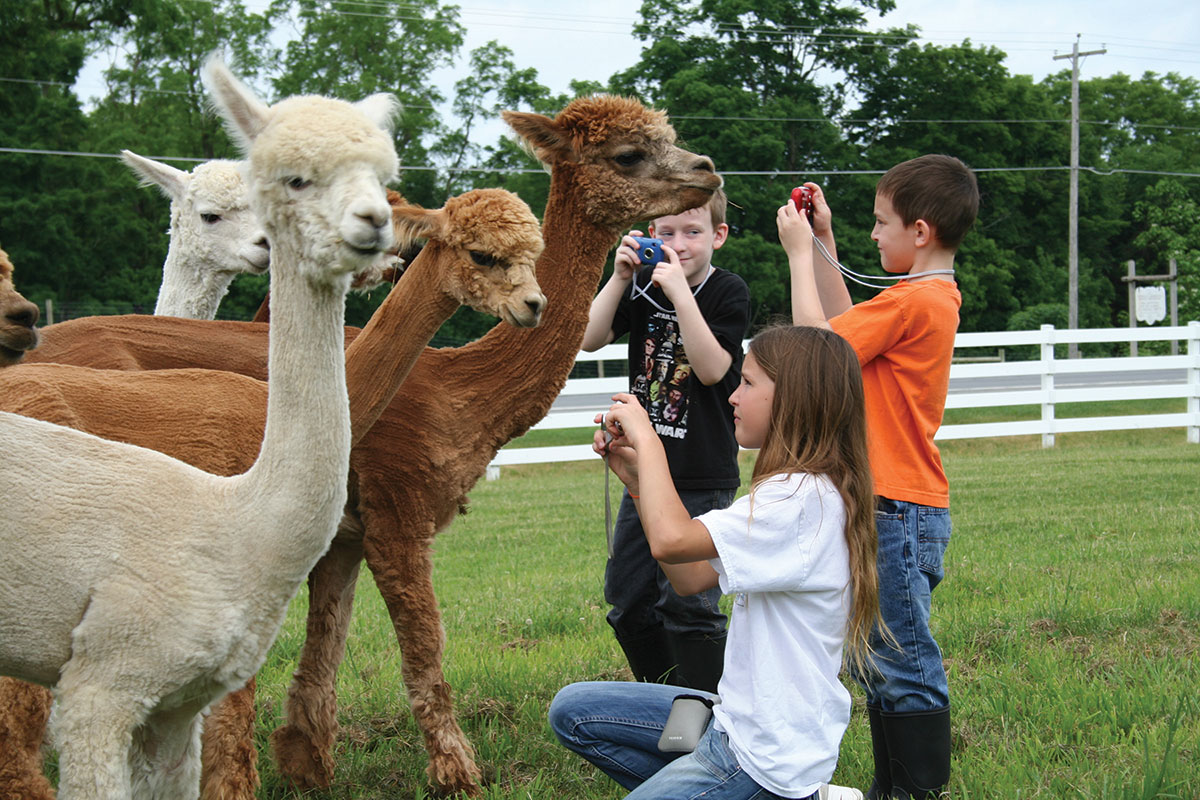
{"type": "Point", "coordinates": [694, 421]}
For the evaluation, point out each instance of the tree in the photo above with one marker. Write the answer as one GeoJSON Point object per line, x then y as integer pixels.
{"type": "Point", "coordinates": [1169, 223]}
{"type": "Point", "coordinates": [48, 219]}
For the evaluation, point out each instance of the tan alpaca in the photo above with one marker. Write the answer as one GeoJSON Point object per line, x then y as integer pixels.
{"type": "Point", "coordinates": [142, 588]}
{"type": "Point", "coordinates": [17, 318]}
{"type": "Point", "coordinates": [481, 252]}
{"type": "Point", "coordinates": [214, 235]}
{"type": "Point", "coordinates": [612, 163]}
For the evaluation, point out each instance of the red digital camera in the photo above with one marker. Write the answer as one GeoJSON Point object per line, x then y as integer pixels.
{"type": "Point", "coordinates": [802, 197]}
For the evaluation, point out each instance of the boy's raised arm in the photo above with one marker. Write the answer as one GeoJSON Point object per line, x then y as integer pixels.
{"type": "Point", "coordinates": [604, 305]}
{"type": "Point", "coordinates": [795, 235]}
{"type": "Point", "coordinates": [831, 287]}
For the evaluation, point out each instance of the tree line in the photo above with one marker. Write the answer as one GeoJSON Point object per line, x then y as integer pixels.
{"type": "Point", "coordinates": [777, 94]}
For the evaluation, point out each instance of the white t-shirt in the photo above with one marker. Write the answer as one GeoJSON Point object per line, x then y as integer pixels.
{"type": "Point", "coordinates": [787, 562]}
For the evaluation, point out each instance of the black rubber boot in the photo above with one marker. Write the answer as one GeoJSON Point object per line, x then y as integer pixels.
{"type": "Point", "coordinates": [918, 746]}
{"type": "Point", "coordinates": [881, 786]}
{"type": "Point", "coordinates": [649, 657]}
{"type": "Point", "coordinates": [701, 661]}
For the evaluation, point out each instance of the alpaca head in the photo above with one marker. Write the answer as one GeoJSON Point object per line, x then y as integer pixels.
{"type": "Point", "coordinates": [17, 318]}
{"type": "Point", "coordinates": [211, 220]}
{"type": "Point", "coordinates": [495, 240]}
{"type": "Point", "coordinates": [317, 170]}
{"type": "Point", "coordinates": [625, 157]}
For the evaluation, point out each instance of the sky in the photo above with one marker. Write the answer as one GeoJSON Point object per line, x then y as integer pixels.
{"type": "Point", "coordinates": [566, 40]}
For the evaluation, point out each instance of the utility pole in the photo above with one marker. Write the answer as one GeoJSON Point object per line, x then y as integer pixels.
{"type": "Point", "coordinates": [1073, 214]}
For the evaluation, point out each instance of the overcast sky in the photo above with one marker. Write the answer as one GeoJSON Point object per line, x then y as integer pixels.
{"type": "Point", "coordinates": [572, 39]}
{"type": "Point", "coordinates": [566, 39]}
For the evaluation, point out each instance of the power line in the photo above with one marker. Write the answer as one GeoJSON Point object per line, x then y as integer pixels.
{"type": "Point", "coordinates": [748, 173]}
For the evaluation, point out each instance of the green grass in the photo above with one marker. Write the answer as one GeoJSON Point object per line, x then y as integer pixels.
{"type": "Point", "coordinates": [1069, 619]}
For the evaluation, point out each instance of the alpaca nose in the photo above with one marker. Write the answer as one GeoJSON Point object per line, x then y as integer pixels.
{"type": "Point", "coordinates": [536, 304]}
{"type": "Point", "coordinates": [25, 315]}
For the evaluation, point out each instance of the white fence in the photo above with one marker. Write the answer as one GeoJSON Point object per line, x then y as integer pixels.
{"type": "Point", "coordinates": [1113, 379]}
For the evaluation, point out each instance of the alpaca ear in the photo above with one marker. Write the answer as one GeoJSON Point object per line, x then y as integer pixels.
{"type": "Point", "coordinates": [244, 114]}
{"type": "Point", "coordinates": [381, 108]}
{"type": "Point", "coordinates": [411, 222]}
{"type": "Point", "coordinates": [172, 182]}
{"type": "Point", "coordinates": [542, 136]}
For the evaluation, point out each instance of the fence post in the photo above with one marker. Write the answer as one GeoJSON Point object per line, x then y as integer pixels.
{"type": "Point", "coordinates": [1132, 281]}
{"type": "Point", "coordinates": [1193, 380]}
{"type": "Point", "coordinates": [1047, 386]}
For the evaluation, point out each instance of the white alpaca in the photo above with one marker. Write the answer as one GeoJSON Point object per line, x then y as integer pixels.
{"type": "Point", "coordinates": [214, 235]}
{"type": "Point", "coordinates": [143, 589]}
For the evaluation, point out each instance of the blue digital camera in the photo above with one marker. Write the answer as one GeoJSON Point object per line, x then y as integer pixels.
{"type": "Point", "coordinates": [649, 250]}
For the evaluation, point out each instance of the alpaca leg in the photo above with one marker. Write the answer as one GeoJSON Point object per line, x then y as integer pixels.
{"type": "Point", "coordinates": [165, 756]}
{"type": "Point", "coordinates": [303, 747]}
{"type": "Point", "coordinates": [24, 711]}
{"type": "Point", "coordinates": [93, 730]}
{"type": "Point", "coordinates": [230, 760]}
{"type": "Point", "coordinates": [403, 573]}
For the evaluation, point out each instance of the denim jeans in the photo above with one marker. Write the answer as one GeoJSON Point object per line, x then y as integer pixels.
{"type": "Point", "coordinates": [616, 726]}
{"type": "Point", "coordinates": [641, 597]}
{"type": "Point", "coordinates": [640, 594]}
{"type": "Point", "coordinates": [912, 545]}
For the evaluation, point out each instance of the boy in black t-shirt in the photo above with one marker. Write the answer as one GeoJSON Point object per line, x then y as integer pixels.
{"type": "Point", "coordinates": [686, 320]}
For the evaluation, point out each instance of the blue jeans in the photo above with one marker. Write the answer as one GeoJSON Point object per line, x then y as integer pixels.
{"type": "Point", "coordinates": [641, 597]}
{"type": "Point", "coordinates": [616, 725]}
{"type": "Point", "coordinates": [912, 545]}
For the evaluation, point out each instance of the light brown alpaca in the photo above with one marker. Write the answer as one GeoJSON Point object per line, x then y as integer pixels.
{"type": "Point", "coordinates": [481, 252]}
{"type": "Point", "coordinates": [17, 318]}
{"type": "Point", "coordinates": [612, 163]}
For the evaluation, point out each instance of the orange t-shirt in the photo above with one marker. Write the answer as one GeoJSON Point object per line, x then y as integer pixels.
{"type": "Point", "coordinates": [904, 338]}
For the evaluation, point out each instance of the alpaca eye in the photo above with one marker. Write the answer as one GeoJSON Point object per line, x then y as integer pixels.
{"type": "Point", "coordinates": [211, 219]}
{"type": "Point", "coordinates": [483, 259]}
{"type": "Point", "coordinates": [628, 159]}
{"type": "Point", "coordinates": [298, 183]}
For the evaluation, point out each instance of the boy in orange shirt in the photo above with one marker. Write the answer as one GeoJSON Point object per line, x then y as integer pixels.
{"type": "Point", "coordinates": [904, 338]}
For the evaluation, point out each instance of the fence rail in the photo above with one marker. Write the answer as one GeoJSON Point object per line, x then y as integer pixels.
{"type": "Point", "coordinates": [1121, 382]}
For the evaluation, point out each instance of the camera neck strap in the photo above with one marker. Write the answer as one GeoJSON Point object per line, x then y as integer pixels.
{"type": "Point", "coordinates": [636, 291]}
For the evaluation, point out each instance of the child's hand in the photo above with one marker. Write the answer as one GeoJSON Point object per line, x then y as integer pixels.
{"type": "Point", "coordinates": [822, 221]}
{"type": "Point", "coordinates": [794, 232]}
{"type": "Point", "coordinates": [626, 262]}
{"type": "Point", "coordinates": [628, 425]}
{"type": "Point", "coordinates": [670, 277]}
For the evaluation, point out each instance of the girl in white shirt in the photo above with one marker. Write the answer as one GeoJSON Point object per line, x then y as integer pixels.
{"type": "Point", "coordinates": [797, 553]}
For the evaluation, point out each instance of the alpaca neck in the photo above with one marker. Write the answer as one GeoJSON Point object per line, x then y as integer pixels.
{"type": "Point", "coordinates": [532, 364]}
{"type": "Point", "coordinates": [380, 358]}
{"type": "Point", "coordinates": [300, 474]}
{"type": "Point", "coordinates": [190, 290]}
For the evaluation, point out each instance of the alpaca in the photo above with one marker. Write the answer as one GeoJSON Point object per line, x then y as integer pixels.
{"type": "Point", "coordinates": [214, 235]}
{"type": "Point", "coordinates": [482, 250]}
{"type": "Point", "coordinates": [17, 318]}
{"type": "Point", "coordinates": [138, 631]}
{"type": "Point", "coordinates": [612, 163]}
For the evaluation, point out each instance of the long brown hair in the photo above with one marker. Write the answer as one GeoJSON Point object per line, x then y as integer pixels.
{"type": "Point", "coordinates": [818, 425]}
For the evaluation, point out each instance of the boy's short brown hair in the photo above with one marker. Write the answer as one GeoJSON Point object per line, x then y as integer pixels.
{"type": "Point", "coordinates": [936, 188]}
{"type": "Point", "coordinates": [716, 206]}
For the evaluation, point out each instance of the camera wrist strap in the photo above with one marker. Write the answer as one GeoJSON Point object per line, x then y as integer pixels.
{"type": "Point", "coordinates": [608, 520]}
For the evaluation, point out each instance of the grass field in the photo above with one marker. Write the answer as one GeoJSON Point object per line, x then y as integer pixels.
{"type": "Point", "coordinates": [1069, 618]}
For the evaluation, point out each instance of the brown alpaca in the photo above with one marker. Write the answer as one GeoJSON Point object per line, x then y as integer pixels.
{"type": "Point", "coordinates": [17, 318]}
{"type": "Point", "coordinates": [215, 420]}
{"type": "Point", "coordinates": [612, 163]}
